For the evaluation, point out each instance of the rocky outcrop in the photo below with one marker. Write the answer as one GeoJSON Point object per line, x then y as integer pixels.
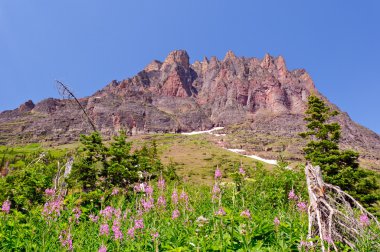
{"type": "Point", "coordinates": [260, 95]}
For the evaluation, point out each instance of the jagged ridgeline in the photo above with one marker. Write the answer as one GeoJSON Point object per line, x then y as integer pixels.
{"type": "Point", "coordinates": [260, 101]}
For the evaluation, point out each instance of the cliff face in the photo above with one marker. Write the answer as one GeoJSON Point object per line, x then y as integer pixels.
{"type": "Point", "coordinates": [262, 96]}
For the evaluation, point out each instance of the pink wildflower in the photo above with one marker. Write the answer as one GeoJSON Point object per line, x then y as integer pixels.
{"type": "Point", "coordinates": [93, 218]}
{"type": "Point", "coordinates": [161, 201]}
{"type": "Point", "coordinates": [246, 213]}
{"type": "Point", "coordinates": [77, 212]}
{"type": "Point", "coordinates": [140, 187]}
{"type": "Point", "coordinates": [329, 240]}
{"type": "Point", "coordinates": [147, 204]}
{"type": "Point", "coordinates": [292, 195]}
{"type": "Point", "coordinates": [155, 236]}
{"type": "Point", "coordinates": [220, 212]}
{"type": "Point", "coordinates": [66, 240]}
{"type": "Point", "coordinates": [107, 212]}
{"type": "Point", "coordinates": [116, 230]}
{"type": "Point", "coordinates": [117, 213]}
{"type": "Point", "coordinates": [6, 207]}
{"type": "Point", "coordinates": [49, 192]}
{"type": "Point", "coordinates": [161, 183]}
{"type": "Point", "coordinates": [53, 208]}
{"type": "Point", "coordinates": [241, 171]}
{"type": "Point", "coordinates": [276, 221]}
{"type": "Point", "coordinates": [149, 190]}
{"type": "Point", "coordinates": [175, 197]}
{"type": "Point", "coordinates": [104, 229]}
{"type": "Point", "coordinates": [131, 232]}
{"type": "Point", "coordinates": [364, 220]}
{"type": "Point", "coordinates": [115, 191]}
{"type": "Point", "coordinates": [102, 249]}
{"type": "Point", "coordinates": [302, 206]}
{"type": "Point", "coordinates": [184, 197]}
{"type": "Point", "coordinates": [175, 214]}
{"type": "Point", "coordinates": [139, 224]}
{"type": "Point", "coordinates": [215, 189]}
{"type": "Point", "coordinates": [218, 173]}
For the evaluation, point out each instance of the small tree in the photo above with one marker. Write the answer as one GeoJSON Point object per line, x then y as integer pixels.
{"type": "Point", "coordinates": [340, 168]}
{"type": "Point", "coordinates": [121, 168]}
{"type": "Point", "coordinates": [91, 163]}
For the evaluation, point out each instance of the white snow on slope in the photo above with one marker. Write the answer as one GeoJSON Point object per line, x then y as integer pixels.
{"type": "Point", "coordinates": [268, 161]}
{"type": "Point", "coordinates": [238, 151]}
{"type": "Point", "coordinates": [202, 132]}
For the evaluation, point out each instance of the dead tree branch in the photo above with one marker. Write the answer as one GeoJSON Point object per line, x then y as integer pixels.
{"type": "Point", "coordinates": [334, 215]}
{"type": "Point", "coordinates": [66, 93]}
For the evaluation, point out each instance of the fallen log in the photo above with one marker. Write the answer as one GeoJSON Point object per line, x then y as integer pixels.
{"type": "Point", "coordinates": [334, 215]}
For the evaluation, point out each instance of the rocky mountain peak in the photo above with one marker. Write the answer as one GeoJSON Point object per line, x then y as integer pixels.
{"type": "Point", "coordinates": [230, 55]}
{"type": "Point", "coordinates": [267, 61]}
{"type": "Point", "coordinates": [155, 65]}
{"type": "Point", "coordinates": [280, 63]}
{"type": "Point", "coordinates": [27, 106]}
{"type": "Point", "coordinates": [179, 57]}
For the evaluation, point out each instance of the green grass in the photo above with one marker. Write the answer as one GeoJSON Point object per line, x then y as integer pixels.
{"type": "Point", "coordinates": [262, 192]}
{"type": "Point", "coordinates": [196, 156]}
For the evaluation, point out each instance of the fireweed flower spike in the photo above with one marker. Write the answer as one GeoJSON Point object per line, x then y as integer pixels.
{"type": "Point", "coordinates": [147, 204]}
{"type": "Point", "coordinates": [131, 232]}
{"type": "Point", "coordinates": [292, 195]}
{"type": "Point", "coordinates": [276, 221]}
{"type": "Point", "coordinates": [49, 192]}
{"type": "Point", "coordinates": [161, 201]}
{"type": "Point", "coordinates": [115, 191]}
{"type": "Point", "coordinates": [93, 218]}
{"type": "Point", "coordinates": [184, 197]}
{"type": "Point", "coordinates": [118, 235]}
{"type": "Point", "coordinates": [104, 230]}
{"type": "Point", "coordinates": [175, 214]}
{"type": "Point", "coordinates": [149, 190]}
{"type": "Point", "coordinates": [77, 212]}
{"type": "Point", "coordinates": [102, 249]}
{"type": "Point", "coordinates": [302, 206]}
{"type": "Point", "coordinates": [175, 197]}
{"type": "Point", "coordinates": [53, 208]}
{"type": "Point", "coordinates": [107, 212]}
{"type": "Point", "coordinates": [161, 184]}
{"type": "Point", "coordinates": [364, 220]}
{"type": "Point", "coordinates": [246, 214]}
{"type": "Point", "coordinates": [66, 240]}
{"type": "Point", "coordinates": [241, 171]}
{"type": "Point", "coordinates": [139, 224]}
{"type": "Point", "coordinates": [220, 212]}
{"type": "Point", "coordinates": [6, 207]}
{"type": "Point", "coordinates": [218, 173]}
{"type": "Point", "coordinates": [155, 236]}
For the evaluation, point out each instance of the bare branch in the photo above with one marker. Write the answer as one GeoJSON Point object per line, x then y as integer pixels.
{"type": "Point", "coordinates": [333, 214]}
{"type": "Point", "coordinates": [66, 93]}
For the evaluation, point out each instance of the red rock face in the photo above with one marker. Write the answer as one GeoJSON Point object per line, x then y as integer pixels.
{"type": "Point", "coordinates": [174, 96]}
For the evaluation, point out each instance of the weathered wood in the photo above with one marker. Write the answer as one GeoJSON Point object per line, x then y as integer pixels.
{"type": "Point", "coordinates": [333, 214]}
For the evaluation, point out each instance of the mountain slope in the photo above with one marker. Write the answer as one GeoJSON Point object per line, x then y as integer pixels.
{"type": "Point", "coordinates": [261, 99]}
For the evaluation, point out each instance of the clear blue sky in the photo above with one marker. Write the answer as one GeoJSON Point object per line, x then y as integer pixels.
{"type": "Point", "coordinates": [88, 43]}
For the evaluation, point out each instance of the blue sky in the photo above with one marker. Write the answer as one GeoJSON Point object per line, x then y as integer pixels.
{"type": "Point", "coordinates": [88, 43]}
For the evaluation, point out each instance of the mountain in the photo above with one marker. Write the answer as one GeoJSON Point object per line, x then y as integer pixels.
{"type": "Point", "coordinates": [258, 101]}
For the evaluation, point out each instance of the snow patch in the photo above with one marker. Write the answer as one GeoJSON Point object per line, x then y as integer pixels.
{"type": "Point", "coordinates": [268, 161]}
{"type": "Point", "coordinates": [203, 132]}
